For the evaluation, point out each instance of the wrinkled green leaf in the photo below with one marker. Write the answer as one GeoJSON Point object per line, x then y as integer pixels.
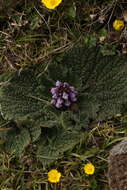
{"type": "Point", "coordinates": [55, 141]}
{"type": "Point", "coordinates": [18, 140]}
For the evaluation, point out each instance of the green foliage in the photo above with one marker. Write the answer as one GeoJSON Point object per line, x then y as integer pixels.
{"type": "Point", "coordinates": [25, 99]}
{"type": "Point", "coordinates": [108, 49]}
{"type": "Point", "coordinates": [17, 140]}
{"type": "Point", "coordinates": [55, 141]}
{"type": "Point", "coordinates": [34, 130]}
{"type": "Point", "coordinates": [102, 79]}
{"type": "Point", "coordinates": [72, 11]}
{"type": "Point", "coordinates": [90, 40]}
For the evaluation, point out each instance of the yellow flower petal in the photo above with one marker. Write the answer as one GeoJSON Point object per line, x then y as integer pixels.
{"type": "Point", "coordinates": [51, 4]}
{"type": "Point", "coordinates": [118, 24]}
{"type": "Point", "coordinates": [54, 176]}
{"type": "Point", "coordinates": [89, 168]}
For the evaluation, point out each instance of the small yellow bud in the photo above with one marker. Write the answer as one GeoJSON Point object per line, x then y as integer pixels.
{"type": "Point", "coordinates": [118, 24]}
{"type": "Point", "coordinates": [51, 4]}
{"type": "Point", "coordinates": [89, 169]}
{"type": "Point", "coordinates": [54, 176]}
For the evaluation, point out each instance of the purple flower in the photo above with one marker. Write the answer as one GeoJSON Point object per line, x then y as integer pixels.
{"type": "Point", "coordinates": [54, 96]}
{"type": "Point", "coordinates": [59, 102]}
{"type": "Point", "coordinates": [58, 83]}
{"type": "Point", "coordinates": [72, 88]}
{"type": "Point", "coordinates": [72, 96]}
{"type": "Point", "coordinates": [53, 90]}
{"type": "Point", "coordinates": [63, 94]}
{"type": "Point", "coordinates": [66, 84]}
{"type": "Point", "coordinates": [53, 101]}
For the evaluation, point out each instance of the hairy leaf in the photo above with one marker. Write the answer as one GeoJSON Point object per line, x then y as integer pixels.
{"type": "Point", "coordinates": [100, 81]}
{"type": "Point", "coordinates": [33, 129]}
{"type": "Point", "coordinates": [23, 98]}
{"type": "Point", "coordinates": [55, 141]}
{"type": "Point", "coordinates": [17, 140]}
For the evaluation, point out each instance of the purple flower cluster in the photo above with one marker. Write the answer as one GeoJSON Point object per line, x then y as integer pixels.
{"type": "Point", "coordinates": [63, 94]}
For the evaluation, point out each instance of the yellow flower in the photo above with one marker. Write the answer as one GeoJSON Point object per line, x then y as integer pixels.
{"type": "Point", "coordinates": [54, 176]}
{"type": "Point", "coordinates": [118, 24]}
{"type": "Point", "coordinates": [51, 4]}
{"type": "Point", "coordinates": [89, 168]}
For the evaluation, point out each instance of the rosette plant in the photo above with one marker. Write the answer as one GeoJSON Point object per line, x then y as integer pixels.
{"type": "Point", "coordinates": [53, 107]}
